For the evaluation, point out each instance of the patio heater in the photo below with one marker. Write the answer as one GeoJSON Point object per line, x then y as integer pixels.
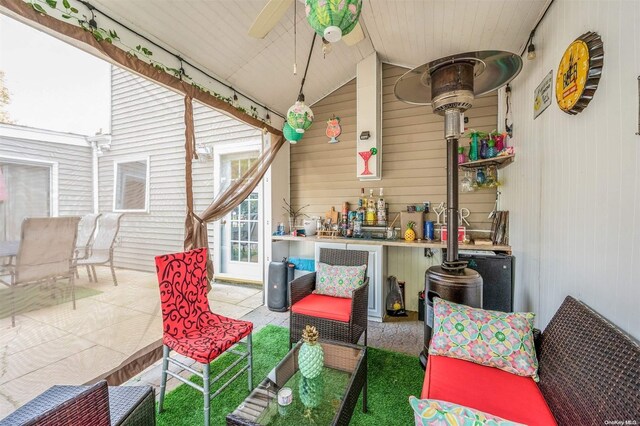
{"type": "Point", "coordinates": [450, 85]}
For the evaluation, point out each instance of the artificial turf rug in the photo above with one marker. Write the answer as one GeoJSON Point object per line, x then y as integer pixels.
{"type": "Point", "coordinates": [392, 378]}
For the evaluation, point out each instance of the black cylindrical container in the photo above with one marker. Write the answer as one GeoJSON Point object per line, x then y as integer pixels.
{"type": "Point", "coordinates": [464, 287]}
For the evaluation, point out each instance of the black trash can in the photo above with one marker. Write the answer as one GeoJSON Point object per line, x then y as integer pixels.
{"type": "Point", "coordinates": [278, 298]}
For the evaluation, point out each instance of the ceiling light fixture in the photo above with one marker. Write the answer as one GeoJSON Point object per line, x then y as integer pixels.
{"type": "Point", "coordinates": [333, 21]}
{"type": "Point", "coordinates": [300, 116]}
{"type": "Point", "coordinates": [531, 49]}
{"type": "Point", "coordinates": [531, 52]}
{"type": "Point", "coordinates": [291, 134]}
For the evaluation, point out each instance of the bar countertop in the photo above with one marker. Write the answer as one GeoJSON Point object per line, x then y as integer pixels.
{"type": "Point", "coordinates": [390, 243]}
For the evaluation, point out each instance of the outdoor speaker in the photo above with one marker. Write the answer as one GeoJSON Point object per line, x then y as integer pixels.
{"type": "Point", "coordinates": [277, 299]}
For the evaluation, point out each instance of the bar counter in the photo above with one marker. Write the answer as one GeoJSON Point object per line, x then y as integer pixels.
{"type": "Point", "coordinates": [391, 243]}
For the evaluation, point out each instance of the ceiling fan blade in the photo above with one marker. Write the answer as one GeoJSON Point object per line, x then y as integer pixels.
{"type": "Point", "coordinates": [269, 17]}
{"type": "Point", "coordinates": [355, 36]}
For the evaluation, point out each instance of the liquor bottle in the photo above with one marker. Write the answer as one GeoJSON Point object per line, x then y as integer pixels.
{"type": "Point", "coordinates": [362, 205]}
{"type": "Point", "coordinates": [344, 219]}
{"type": "Point", "coordinates": [381, 210]}
{"type": "Point", "coordinates": [371, 209]}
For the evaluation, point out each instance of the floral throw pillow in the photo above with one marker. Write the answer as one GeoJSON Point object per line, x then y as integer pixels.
{"type": "Point", "coordinates": [431, 412]}
{"type": "Point", "coordinates": [338, 280]}
{"type": "Point", "coordinates": [491, 338]}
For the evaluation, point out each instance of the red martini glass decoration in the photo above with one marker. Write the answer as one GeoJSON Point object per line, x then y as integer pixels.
{"type": "Point", "coordinates": [366, 155]}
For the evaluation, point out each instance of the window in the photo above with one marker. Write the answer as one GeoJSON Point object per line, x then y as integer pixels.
{"type": "Point", "coordinates": [131, 186]}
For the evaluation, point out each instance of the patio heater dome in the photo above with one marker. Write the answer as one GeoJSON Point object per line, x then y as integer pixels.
{"type": "Point", "coordinates": [333, 21]}
{"type": "Point", "coordinates": [454, 81]}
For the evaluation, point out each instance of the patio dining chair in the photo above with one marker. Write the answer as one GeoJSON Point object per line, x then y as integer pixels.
{"type": "Point", "coordinates": [336, 318]}
{"type": "Point", "coordinates": [45, 254]}
{"type": "Point", "coordinates": [101, 252]}
{"type": "Point", "coordinates": [191, 329]}
{"type": "Point", "coordinates": [86, 229]}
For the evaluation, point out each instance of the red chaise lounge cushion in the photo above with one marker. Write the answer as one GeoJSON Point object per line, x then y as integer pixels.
{"type": "Point", "coordinates": [321, 306]}
{"type": "Point", "coordinates": [487, 389]}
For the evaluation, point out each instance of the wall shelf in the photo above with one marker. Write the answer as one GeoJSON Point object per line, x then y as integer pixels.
{"type": "Point", "coordinates": [499, 162]}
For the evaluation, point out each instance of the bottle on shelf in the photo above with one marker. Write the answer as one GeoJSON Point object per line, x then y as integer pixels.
{"type": "Point", "coordinates": [344, 219]}
{"type": "Point", "coordinates": [362, 206]}
{"type": "Point", "coordinates": [381, 210]}
{"type": "Point", "coordinates": [370, 218]}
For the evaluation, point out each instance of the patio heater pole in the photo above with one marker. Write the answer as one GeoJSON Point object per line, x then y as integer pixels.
{"type": "Point", "coordinates": [452, 133]}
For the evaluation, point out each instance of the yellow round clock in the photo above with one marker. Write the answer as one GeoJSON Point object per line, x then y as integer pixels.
{"type": "Point", "coordinates": [579, 72]}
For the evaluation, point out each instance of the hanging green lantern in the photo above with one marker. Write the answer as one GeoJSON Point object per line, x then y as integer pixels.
{"type": "Point", "coordinates": [333, 19]}
{"type": "Point", "coordinates": [290, 134]}
{"type": "Point", "coordinates": [300, 116]}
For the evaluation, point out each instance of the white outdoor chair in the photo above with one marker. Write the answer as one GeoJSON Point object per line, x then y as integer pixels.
{"type": "Point", "coordinates": [102, 247]}
{"type": "Point", "coordinates": [86, 229]}
{"type": "Point", "coordinates": [46, 251]}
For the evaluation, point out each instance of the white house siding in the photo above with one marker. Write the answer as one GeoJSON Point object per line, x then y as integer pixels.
{"type": "Point", "coordinates": [73, 161]}
{"type": "Point", "coordinates": [148, 121]}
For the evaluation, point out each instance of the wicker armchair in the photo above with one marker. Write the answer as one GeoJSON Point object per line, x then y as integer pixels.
{"type": "Point", "coordinates": [349, 331]}
{"type": "Point", "coordinates": [96, 405]}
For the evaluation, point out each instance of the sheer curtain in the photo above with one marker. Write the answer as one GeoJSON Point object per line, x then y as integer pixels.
{"type": "Point", "coordinates": [196, 224]}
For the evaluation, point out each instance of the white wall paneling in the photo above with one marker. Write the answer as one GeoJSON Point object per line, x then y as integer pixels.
{"type": "Point", "coordinates": [574, 191]}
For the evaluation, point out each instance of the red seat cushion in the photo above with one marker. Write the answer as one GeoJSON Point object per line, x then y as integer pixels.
{"type": "Point", "coordinates": [214, 335]}
{"type": "Point", "coordinates": [321, 306]}
{"type": "Point", "coordinates": [487, 389]}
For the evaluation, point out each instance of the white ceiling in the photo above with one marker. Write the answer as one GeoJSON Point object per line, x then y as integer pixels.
{"type": "Point", "coordinates": [213, 35]}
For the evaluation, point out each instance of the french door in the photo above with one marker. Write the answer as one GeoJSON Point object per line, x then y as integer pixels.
{"type": "Point", "coordinates": [238, 237]}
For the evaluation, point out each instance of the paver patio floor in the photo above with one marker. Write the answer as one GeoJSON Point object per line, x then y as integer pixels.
{"type": "Point", "coordinates": [59, 345]}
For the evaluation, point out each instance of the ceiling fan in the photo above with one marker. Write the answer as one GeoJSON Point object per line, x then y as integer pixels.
{"type": "Point", "coordinates": [275, 9]}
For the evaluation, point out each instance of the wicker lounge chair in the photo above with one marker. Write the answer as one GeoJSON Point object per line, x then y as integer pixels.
{"type": "Point", "coordinates": [343, 331]}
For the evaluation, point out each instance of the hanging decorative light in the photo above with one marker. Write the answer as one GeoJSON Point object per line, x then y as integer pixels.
{"type": "Point", "coordinates": [333, 19]}
{"type": "Point", "coordinates": [300, 116]}
{"type": "Point", "coordinates": [290, 134]}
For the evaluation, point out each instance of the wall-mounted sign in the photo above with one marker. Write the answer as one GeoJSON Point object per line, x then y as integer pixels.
{"type": "Point", "coordinates": [542, 95]}
{"type": "Point", "coordinates": [333, 129]}
{"type": "Point", "coordinates": [579, 73]}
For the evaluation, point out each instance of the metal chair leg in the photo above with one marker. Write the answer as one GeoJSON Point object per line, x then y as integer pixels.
{"type": "Point", "coordinates": [207, 399]}
{"type": "Point", "coordinates": [13, 307]}
{"type": "Point", "coordinates": [95, 275]}
{"type": "Point", "coordinates": [163, 379]}
{"type": "Point", "coordinates": [89, 273]}
{"type": "Point", "coordinates": [250, 361]}
{"type": "Point", "coordinates": [113, 272]}
{"type": "Point", "coordinates": [72, 281]}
